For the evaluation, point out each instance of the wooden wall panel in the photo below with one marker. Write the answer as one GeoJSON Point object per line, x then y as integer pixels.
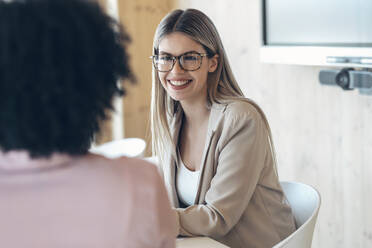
{"type": "Point", "coordinates": [140, 18]}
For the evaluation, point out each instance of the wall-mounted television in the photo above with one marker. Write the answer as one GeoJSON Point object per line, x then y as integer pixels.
{"type": "Point", "coordinates": [317, 32]}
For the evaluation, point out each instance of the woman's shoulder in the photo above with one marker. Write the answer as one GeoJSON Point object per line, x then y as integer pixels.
{"type": "Point", "coordinates": [127, 169]}
{"type": "Point", "coordinates": [143, 171]}
{"type": "Point", "coordinates": [242, 109]}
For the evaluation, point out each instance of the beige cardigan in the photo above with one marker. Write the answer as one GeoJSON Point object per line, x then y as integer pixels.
{"type": "Point", "coordinates": [239, 200]}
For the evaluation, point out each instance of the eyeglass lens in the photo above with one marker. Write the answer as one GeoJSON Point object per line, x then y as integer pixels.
{"type": "Point", "coordinates": [188, 62]}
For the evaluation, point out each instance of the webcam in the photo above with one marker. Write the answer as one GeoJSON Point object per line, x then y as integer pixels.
{"type": "Point", "coordinates": [348, 79]}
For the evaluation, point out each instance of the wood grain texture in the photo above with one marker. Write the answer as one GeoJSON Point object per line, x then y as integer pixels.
{"type": "Point", "coordinates": [323, 135]}
{"type": "Point", "coordinates": [140, 18]}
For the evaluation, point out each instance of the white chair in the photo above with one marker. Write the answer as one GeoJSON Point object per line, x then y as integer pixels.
{"type": "Point", "coordinates": [130, 147]}
{"type": "Point", "coordinates": [305, 203]}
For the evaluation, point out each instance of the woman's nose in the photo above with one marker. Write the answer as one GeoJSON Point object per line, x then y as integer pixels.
{"type": "Point", "coordinates": [177, 67]}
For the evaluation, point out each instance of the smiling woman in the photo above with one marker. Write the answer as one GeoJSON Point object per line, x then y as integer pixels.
{"type": "Point", "coordinates": [214, 145]}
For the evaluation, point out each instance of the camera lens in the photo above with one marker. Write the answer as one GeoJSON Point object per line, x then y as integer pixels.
{"type": "Point", "coordinates": [343, 79]}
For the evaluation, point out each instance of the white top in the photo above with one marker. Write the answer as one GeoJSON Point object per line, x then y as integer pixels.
{"type": "Point", "coordinates": [186, 182]}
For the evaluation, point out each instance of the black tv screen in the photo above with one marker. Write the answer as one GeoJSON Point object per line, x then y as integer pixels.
{"type": "Point", "coordinates": [346, 23]}
{"type": "Point", "coordinates": [317, 32]}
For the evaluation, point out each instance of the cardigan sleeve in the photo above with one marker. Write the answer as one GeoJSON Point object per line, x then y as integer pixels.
{"type": "Point", "coordinates": [241, 158]}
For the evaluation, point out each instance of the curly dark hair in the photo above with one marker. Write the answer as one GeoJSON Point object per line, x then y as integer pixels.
{"type": "Point", "coordinates": [60, 62]}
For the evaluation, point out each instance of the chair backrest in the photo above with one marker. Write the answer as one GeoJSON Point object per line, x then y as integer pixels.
{"type": "Point", "coordinates": [130, 147]}
{"type": "Point", "coordinates": [305, 203]}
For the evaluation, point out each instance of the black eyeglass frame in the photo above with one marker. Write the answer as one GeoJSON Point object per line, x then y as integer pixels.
{"type": "Point", "coordinates": [177, 58]}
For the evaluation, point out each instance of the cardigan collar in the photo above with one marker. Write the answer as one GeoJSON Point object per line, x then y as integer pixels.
{"type": "Point", "coordinates": [216, 114]}
{"type": "Point", "coordinates": [217, 111]}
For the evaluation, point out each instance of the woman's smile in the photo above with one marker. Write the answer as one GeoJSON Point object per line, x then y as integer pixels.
{"type": "Point", "coordinates": [179, 84]}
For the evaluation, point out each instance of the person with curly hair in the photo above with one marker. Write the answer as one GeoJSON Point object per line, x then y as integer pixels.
{"type": "Point", "coordinates": [60, 62]}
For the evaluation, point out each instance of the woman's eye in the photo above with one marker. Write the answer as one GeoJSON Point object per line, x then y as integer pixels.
{"type": "Point", "coordinates": [190, 57]}
{"type": "Point", "coordinates": [165, 58]}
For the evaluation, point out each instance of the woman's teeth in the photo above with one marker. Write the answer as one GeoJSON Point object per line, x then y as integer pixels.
{"type": "Point", "coordinates": [179, 82]}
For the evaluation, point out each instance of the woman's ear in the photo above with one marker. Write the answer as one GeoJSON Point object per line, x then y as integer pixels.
{"type": "Point", "coordinates": [213, 63]}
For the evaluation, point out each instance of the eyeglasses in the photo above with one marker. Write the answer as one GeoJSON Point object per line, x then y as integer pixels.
{"type": "Point", "coordinates": [190, 61]}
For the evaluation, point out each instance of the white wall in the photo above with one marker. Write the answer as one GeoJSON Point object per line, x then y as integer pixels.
{"type": "Point", "coordinates": [323, 135]}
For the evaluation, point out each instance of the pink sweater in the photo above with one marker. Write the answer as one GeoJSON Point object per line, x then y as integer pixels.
{"type": "Point", "coordinates": [86, 201]}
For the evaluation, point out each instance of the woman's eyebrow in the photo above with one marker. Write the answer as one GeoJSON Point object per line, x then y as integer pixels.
{"type": "Point", "coordinates": [166, 53]}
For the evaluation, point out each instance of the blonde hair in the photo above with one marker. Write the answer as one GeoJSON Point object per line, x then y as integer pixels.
{"type": "Point", "coordinates": [222, 86]}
